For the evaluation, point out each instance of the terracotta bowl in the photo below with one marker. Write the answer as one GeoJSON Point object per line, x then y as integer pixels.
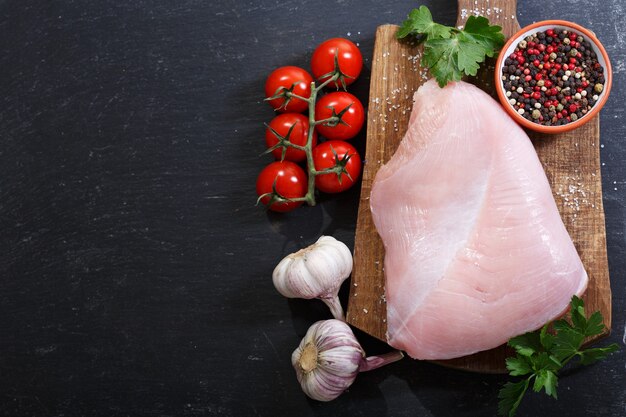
{"type": "Point", "coordinates": [602, 57]}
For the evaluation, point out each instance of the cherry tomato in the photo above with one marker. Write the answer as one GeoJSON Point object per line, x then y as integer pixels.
{"type": "Point", "coordinates": [291, 182]}
{"type": "Point", "coordinates": [324, 157]}
{"type": "Point", "coordinates": [299, 134]}
{"type": "Point", "coordinates": [349, 58]}
{"type": "Point", "coordinates": [354, 116]}
{"type": "Point", "coordinates": [291, 78]}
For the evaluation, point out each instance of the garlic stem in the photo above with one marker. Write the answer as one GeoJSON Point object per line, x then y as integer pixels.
{"type": "Point", "coordinates": [335, 307]}
{"type": "Point", "coordinates": [374, 362]}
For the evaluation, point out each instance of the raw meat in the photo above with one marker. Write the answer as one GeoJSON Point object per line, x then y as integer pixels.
{"type": "Point", "coordinates": [476, 251]}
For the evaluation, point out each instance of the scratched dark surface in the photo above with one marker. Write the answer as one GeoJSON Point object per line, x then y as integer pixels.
{"type": "Point", "coordinates": [135, 271]}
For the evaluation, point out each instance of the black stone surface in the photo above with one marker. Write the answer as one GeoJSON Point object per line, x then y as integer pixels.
{"type": "Point", "coordinates": [135, 270]}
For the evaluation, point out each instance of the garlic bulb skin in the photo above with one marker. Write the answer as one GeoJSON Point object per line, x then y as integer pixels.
{"type": "Point", "coordinates": [327, 360]}
{"type": "Point", "coordinates": [315, 272]}
{"type": "Point", "coordinates": [330, 357]}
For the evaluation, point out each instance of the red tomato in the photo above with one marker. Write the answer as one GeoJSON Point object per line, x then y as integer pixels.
{"type": "Point", "coordinates": [291, 78]}
{"type": "Point", "coordinates": [323, 157]}
{"type": "Point", "coordinates": [349, 58]}
{"type": "Point", "coordinates": [291, 182]}
{"type": "Point", "coordinates": [299, 134]}
{"type": "Point", "coordinates": [354, 116]}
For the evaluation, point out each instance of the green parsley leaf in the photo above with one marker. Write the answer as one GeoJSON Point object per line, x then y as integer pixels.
{"type": "Point", "coordinates": [566, 343]}
{"type": "Point", "coordinates": [478, 30]}
{"type": "Point", "coordinates": [577, 314]}
{"type": "Point", "coordinates": [470, 54]}
{"type": "Point", "coordinates": [544, 360]}
{"type": "Point", "coordinates": [420, 21]}
{"type": "Point", "coordinates": [450, 53]}
{"type": "Point", "coordinates": [545, 338]}
{"type": "Point", "coordinates": [594, 325]}
{"type": "Point", "coordinates": [578, 304]}
{"type": "Point", "coordinates": [518, 366]}
{"type": "Point", "coordinates": [526, 344]}
{"type": "Point", "coordinates": [541, 354]}
{"type": "Point", "coordinates": [589, 356]}
{"type": "Point", "coordinates": [441, 56]}
{"type": "Point", "coordinates": [547, 380]}
{"type": "Point", "coordinates": [511, 396]}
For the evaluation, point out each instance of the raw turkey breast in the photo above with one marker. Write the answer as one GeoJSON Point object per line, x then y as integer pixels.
{"type": "Point", "coordinates": [476, 251]}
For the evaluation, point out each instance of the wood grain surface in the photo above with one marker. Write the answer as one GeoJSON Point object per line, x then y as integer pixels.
{"type": "Point", "coordinates": [571, 161]}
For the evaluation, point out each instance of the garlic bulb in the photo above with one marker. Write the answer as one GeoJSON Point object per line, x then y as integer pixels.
{"type": "Point", "coordinates": [329, 359]}
{"type": "Point", "coordinates": [315, 272]}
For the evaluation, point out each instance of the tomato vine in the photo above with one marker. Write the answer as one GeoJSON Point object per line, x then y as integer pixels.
{"type": "Point", "coordinates": [285, 95]}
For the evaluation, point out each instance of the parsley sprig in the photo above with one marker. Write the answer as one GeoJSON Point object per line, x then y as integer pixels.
{"type": "Point", "coordinates": [543, 353]}
{"type": "Point", "coordinates": [450, 52]}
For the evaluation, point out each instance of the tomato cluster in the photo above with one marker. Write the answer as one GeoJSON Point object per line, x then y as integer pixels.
{"type": "Point", "coordinates": [338, 117]}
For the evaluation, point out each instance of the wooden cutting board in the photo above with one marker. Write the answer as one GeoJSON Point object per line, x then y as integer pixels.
{"type": "Point", "coordinates": [571, 161]}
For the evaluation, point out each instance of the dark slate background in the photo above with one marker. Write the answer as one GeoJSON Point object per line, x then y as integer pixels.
{"type": "Point", "coordinates": [135, 269]}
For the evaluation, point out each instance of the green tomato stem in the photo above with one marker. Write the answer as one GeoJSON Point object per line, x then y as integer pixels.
{"type": "Point", "coordinates": [329, 120]}
{"type": "Point", "coordinates": [308, 148]}
{"type": "Point", "coordinates": [298, 147]}
{"type": "Point", "coordinates": [329, 80]}
{"type": "Point", "coordinates": [308, 100]}
{"type": "Point", "coordinates": [310, 195]}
